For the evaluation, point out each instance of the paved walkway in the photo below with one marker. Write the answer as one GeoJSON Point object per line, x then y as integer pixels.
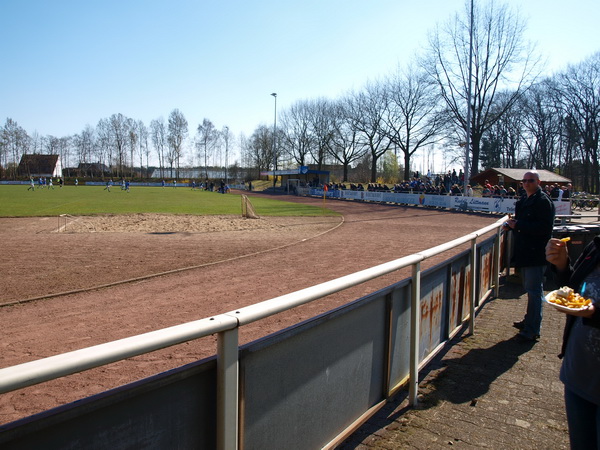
{"type": "Point", "coordinates": [486, 391]}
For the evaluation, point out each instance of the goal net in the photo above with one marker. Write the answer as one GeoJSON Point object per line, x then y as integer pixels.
{"type": "Point", "coordinates": [247, 208]}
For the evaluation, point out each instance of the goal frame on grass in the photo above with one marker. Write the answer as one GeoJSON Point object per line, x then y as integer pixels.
{"type": "Point", "coordinates": [248, 211]}
{"type": "Point", "coordinates": [294, 183]}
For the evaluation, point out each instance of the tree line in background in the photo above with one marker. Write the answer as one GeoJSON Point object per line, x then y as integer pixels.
{"type": "Point", "coordinates": [518, 119]}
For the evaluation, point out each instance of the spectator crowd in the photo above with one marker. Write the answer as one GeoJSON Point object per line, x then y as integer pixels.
{"type": "Point", "coordinates": [451, 183]}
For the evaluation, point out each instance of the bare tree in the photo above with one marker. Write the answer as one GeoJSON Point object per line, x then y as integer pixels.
{"type": "Point", "coordinates": [226, 137]}
{"type": "Point", "coordinates": [119, 137]}
{"type": "Point", "coordinates": [158, 133]}
{"type": "Point", "coordinates": [259, 149]}
{"type": "Point", "coordinates": [51, 145]}
{"type": "Point", "coordinates": [207, 137]}
{"type": "Point", "coordinates": [321, 127]}
{"type": "Point", "coordinates": [366, 111]}
{"type": "Point", "coordinates": [540, 117]}
{"type": "Point", "coordinates": [344, 145]}
{"type": "Point", "coordinates": [177, 134]}
{"type": "Point", "coordinates": [84, 144]}
{"type": "Point", "coordinates": [143, 147]}
{"type": "Point", "coordinates": [296, 137]}
{"type": "Point", "coordinates": [14, 143]}
{"type": "Point", "coordinates": [104, 147]}
{"type": "Point", "coordinates": [35, 146]}
{"type": "Point", "coordinates": [580, 89]}
{"type": "Point", "coordinates": [413, 117]}
{"type": "Point", "coordinates": [65, 152]}
{"type": "Point", "coordinates": [501, 60]}
{"type": "Point", "coordinates": [133, 143]}
{"type": "Point", "coordinates": [502, 144]}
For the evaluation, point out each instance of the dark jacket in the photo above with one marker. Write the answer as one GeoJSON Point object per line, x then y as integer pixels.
{"type": "Point", "coordinates": [535, 220]}
{"type": "Point", "coordinates": [573, 277]}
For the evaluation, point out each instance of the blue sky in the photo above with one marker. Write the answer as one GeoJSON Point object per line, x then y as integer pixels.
{"type": "Point", "coordinates": [66, 64]}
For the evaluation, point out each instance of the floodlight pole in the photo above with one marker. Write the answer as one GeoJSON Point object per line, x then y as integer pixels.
{"type": "Point", "coordinates": [226, 129]}
{"type": "Point", "coordinates": [468, 139]}
{"type": "Point", "coordinates": [274, 94]}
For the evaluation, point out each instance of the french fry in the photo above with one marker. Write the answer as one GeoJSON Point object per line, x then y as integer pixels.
{"type": "Point", "coordinates": [573, 300]}
{"type": "Point", "coordinates": [565, 239]}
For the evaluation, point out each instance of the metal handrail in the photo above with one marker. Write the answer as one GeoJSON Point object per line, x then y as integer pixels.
{"type": "Point", "coordinates": [35, 372]}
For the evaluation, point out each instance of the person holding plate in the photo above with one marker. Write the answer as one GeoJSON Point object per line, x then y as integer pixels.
{"type": "Point", "coordinates": [580, 352]}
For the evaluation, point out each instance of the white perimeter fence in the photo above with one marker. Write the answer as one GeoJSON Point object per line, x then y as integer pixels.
{"type": "Point", "coordinates": [484, 204]}
{"type": "Point", "coordinates": [306, 387]}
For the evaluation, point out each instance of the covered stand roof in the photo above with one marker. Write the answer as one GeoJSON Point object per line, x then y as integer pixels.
{"type": "Point", "coordinates": [514, 176]}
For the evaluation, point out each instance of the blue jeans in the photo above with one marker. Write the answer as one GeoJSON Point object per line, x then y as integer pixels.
{"type": "Point", "coordinates": [533, 282]}
{"type": "Point", "coordinates": [583, 418]}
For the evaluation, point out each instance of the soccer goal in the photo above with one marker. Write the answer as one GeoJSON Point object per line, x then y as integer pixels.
{"type": "Point", "coordinates": [63, 221]}
{"type": "Point", "coordinates": [292, 185]}
{"type": "Point", "coordinates": [247, 208]}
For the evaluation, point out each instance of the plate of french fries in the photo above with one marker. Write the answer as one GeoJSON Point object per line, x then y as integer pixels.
{"type": "Point", "coordinates": [566, 299]}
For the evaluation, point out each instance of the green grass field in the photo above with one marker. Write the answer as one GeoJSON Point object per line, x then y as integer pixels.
{"type": "Point", "coordinates": [17, 201]}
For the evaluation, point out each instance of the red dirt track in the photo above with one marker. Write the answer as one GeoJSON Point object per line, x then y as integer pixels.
{"type": "Point", "coordinates": [255, 265]}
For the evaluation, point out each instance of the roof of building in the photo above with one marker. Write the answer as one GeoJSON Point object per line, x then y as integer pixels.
{"type": "Point", "coordinates": [515, 175]}
{"type": "Point", "coordinates": [44, 165]}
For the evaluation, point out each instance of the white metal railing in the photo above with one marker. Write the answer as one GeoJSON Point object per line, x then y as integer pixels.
{"type": "Point", "coordinates": [227, 325]}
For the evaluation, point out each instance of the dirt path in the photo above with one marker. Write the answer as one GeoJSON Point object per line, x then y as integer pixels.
{"type": "Point", "coordinates": [370, 234]}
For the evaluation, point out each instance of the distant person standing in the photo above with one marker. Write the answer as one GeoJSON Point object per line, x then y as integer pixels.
{"type": "Point", "coordinates": [174, 183]}
{"type": "Point", "coordinates": [31, 185]}
{"type": "Point", "coordinates": [76, 182]}
{"type": "Point", "coordinates": [50, 185]}
{"type": "Point", "coordinates": [532, 229]}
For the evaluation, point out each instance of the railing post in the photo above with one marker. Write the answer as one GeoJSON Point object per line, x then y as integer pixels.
{"type": "Point", "coordinates": [496, 265]}
{"type": "Point", "coordinates": [227, 390]}
{"type": "Point", "coordinates": [415, 321]}
{"type": "Point", "coordinates": [508, 242]}
{"type": "Point", "coordinates": [473, 264]}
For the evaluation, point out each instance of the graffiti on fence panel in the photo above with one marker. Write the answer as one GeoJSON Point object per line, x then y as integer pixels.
{"type": "Point", "coordinates": [431, 319]}
{"type": "Point", "coordinates": [457, 295]}
{"type": "Point", "coordinates": [485, 270]}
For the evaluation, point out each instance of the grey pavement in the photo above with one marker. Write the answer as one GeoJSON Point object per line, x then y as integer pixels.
{"type": "Point", "coordinates": [487, 390]}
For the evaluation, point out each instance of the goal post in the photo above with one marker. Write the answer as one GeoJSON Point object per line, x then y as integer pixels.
{"type": "Point", "coordinates": [292, 185]}
{"type": "Point", "coordinates": [248, 211]}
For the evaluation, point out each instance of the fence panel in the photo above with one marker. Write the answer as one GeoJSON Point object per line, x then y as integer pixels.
{"type": "Point", "coordinates": [302, 387]}
{"type": "Point", "coordinates": [175, 409]}
{"type": "Point", "coordinates": [485, 265]}
{"type": "Point", "coordinates": [460, 290]}
{"type": "Point", "coordinates": [433, 310]}
{"type": "Point", "coordinates": [400, 334]}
